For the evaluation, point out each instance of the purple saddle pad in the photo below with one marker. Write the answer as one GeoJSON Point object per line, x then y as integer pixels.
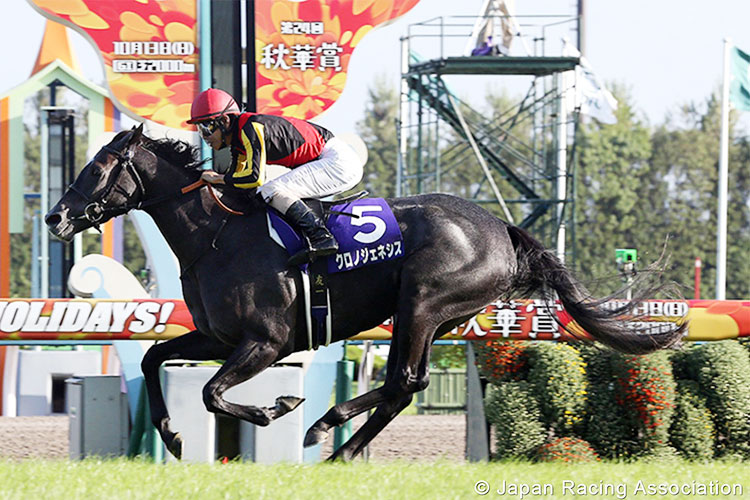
{"type": "Point", "coordinates": [366, 230]}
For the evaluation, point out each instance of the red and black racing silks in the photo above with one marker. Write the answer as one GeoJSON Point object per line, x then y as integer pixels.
{"type": "Point", "coordinates": [259, 139]}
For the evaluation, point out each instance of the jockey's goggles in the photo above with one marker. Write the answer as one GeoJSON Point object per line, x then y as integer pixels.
{"type": "Point", "coordinates": [207, 128]}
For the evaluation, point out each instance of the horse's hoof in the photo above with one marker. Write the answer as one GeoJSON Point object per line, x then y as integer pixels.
{"type": "Point", "coordinates": [339, 457]}
{"type": "Point", "coordinates": [175, 446]}
{"type": "Point", "coordinates": [262, 416]}
{"type": "Point", "coordinates": [315, 435]}
{"type": "Point", "coordinates": [288, 403]}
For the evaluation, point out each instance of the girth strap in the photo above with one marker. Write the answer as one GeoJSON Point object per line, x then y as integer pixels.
{"type": "Point", "coordinates": [320, 303]}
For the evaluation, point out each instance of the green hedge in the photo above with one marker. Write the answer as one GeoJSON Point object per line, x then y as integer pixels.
{"type": "Point", "coordinates": [646, 393]}
{"type": "Point", "coordinates": [501, 361]}
{"type": "Point", "coordinates": [745, 342]}
{"type": "Point", "coordinates": [557, 374]}
{"type": "Point", "coordinates": [514, 412]}
{"type": "Point", "coordinates": [566, 449]}
{"type": "Point", "coordinates": [695, 401]}
{"type": "Point", "coordinates": [692, 432]}
{"type": "Point", "coordinates": [722, 370]}
{"type": "Point", "coordinates": [606, 427]}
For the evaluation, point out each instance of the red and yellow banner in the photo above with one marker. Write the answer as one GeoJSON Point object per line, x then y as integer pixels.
{"type": "Point", "coordinates": [150, 50]}
{"type": "Point", "coordinates": [533, 320]}
{"type": "Point", "coordinates": [158, 319]}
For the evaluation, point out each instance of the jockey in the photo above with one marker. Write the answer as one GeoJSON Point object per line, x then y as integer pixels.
{"type": "Point", "coordinates": [321, 164]}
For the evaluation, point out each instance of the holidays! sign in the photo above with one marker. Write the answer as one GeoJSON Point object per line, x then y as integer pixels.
{"type": "Point", "coordinates": [93, 319]}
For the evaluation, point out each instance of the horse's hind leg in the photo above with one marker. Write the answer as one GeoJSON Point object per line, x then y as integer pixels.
{"type": "Point", "coordinates": [345, 411]}
{"type": "Point", "coordinates": [248, 359]}
{"type": "Point", "coordinates": [378, 420]}
{"type": "Point", "coordinates": [193, 345]}
{"type": "Point", "coordinates": [413, 335]}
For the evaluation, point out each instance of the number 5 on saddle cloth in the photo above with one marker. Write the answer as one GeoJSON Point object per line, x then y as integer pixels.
{"type": "Point", "coordinates": [367, 233]}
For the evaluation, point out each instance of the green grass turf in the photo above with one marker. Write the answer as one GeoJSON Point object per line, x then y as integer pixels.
{"type": "Point", "coordinates": [137, 479]}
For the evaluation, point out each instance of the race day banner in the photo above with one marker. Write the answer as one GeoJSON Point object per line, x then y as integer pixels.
{"type": "Point", "coordinates": [303, 49]}
{"type": "Point", "coordinates": [150, 50]}
{"type": "Point", "coordinates": [160, 319]}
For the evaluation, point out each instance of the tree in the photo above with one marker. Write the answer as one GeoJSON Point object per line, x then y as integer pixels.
{"type": "Point", "coordinates": [378, 131]}
{"type": "Point", "coordinates": [686, 153]}
{"type": "Point", "coordinates": [641, 189]}
{"type": "Point", "coordinates": [738, 220]}
{"type": "Point", "coordinates": [637, 187]}
{"type": "Point", "coordinates": [618, 194]}
{"type": "Point", "coordinates": [505, 129]}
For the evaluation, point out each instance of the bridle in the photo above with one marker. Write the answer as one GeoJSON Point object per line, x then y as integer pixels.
{"type": "Point", "coordinates": [96, 210]}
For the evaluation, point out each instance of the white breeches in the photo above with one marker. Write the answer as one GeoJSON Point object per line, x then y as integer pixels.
{"type": "Point", "coordinates": [337, 169]}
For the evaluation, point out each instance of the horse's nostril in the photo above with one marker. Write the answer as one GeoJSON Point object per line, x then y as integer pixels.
{"type": "Point", "coordinates": [53, 219]}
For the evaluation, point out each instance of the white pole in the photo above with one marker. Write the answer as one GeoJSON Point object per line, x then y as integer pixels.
{"type": "Point", "coordinates": [363, 378]}
{"type": "Point", "coordinates": [403, 109]}
{"type": "Point", "coordinates": [562, 157]}
{"type": "Point", "coordinates": [721, 232]}
{"type": "Point", "coordinates": [44, 206]}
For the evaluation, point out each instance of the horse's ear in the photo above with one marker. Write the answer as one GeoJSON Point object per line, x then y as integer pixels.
{"type": "Point", "coordinates": [135, 137]}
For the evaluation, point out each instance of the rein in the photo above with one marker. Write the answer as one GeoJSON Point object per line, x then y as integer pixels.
{"type": "Point", "coordinates": [199, 184]}
{"type": "Point", "coordinates": [192, 187]}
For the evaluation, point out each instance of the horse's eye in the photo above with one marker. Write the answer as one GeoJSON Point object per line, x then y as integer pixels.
{"type": "Point", "coordinates": [97, 171]}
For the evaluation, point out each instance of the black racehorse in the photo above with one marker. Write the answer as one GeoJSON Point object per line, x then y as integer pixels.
{"type": "Point", "coordinates": [246, 302]}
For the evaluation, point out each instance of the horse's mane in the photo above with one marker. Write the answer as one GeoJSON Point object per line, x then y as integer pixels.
{"type": "Point", "coordinates": [175, 151]}
{"type": "Point", "coordinates": [183, 154]}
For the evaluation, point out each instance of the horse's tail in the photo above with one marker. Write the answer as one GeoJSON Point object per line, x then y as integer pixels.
{"type": "Point", "coordinates": [538, 269]}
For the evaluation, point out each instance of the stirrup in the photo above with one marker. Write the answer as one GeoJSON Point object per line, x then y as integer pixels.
{"type": "Point", "coordinates": [304, 256]}
{"type": "Point", "coordinates": [308, 255]}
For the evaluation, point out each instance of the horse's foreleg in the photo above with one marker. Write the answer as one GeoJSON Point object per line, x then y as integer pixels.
{"type": "Point", "coordinates": [247, 360]}
{"type": "Point", "coordinates": [193, 345]}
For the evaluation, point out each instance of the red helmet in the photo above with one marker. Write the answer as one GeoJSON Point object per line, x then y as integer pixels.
{"type": "Point", "coordinates": [212, 103]}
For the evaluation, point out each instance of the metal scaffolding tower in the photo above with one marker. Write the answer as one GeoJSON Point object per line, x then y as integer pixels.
{"type": "Point", "coordinates": [514, 161]}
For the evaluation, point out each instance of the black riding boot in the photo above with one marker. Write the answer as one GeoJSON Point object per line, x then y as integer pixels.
{"type": "Point", "coordinates": [320, 239]}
